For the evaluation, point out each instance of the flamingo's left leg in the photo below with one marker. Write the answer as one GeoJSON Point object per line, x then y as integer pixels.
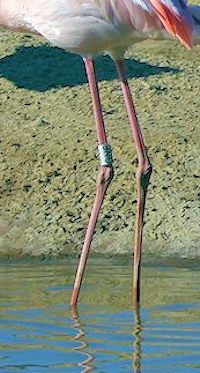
{"type": "Point", "coordinates": [142, 176]}
{"type": "Point", "coordinates": [103, 180]}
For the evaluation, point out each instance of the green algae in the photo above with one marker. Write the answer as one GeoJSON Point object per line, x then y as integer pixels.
{"type": "Point", "coordinates": [49, 161]}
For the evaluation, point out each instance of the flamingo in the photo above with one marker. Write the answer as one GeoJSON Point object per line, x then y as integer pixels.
{"type": "Point", "coordinates": [90, 28]}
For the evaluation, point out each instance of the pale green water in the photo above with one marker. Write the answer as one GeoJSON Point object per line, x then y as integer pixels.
{"type": "Point", "coordinates": [39, 334]}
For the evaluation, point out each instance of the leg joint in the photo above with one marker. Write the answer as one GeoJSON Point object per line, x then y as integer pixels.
{"type": "Point", "coordinates": [143, 175]}
{"type": "Point", "coordinates": [106, 175]}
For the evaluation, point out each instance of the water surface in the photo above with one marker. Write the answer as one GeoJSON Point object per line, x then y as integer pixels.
{"type": "Point", "coordinates": [39, 333]}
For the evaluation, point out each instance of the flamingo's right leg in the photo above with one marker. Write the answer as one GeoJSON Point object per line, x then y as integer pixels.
{"type": "Point", "coordinates": [142, 176]}
{"type": "Point", "coordinates": [104, 178]}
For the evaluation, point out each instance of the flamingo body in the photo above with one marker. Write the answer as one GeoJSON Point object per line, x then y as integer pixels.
{"type": "Point", "coordinates": [91, 27]}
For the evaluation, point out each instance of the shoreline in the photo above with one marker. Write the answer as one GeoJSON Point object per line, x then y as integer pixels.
{"type": "Point", "coordinates": [109, 244]}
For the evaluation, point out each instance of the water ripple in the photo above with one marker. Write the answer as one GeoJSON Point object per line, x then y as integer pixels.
{"type": "Point", "coordinates": [39, 333]}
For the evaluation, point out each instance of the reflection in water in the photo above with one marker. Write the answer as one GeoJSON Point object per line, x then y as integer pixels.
{"type": "Point", "coordinates": [36, 332]}
{"type": "Point", "coordinates": [137, 354]}
{"type": "Point", "coordinates": [85, 364]}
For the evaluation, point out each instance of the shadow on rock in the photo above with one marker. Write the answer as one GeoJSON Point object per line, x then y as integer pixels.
{"type": "Point", "coordinates": [43, 67]}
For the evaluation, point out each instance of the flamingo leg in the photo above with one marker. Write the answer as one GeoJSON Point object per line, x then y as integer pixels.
{"type": "Point", "coordinates": [142, 176]}
{"type": "Point", "coordinates": [104, 178]}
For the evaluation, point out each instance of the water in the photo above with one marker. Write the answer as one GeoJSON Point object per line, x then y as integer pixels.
{"type": "Point", "coordinates": [39, 333]}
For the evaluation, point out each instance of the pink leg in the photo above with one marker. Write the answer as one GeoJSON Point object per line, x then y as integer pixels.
{"type": "Point", "coordinates": [103, 180]}
{"type": "Point", "coordinates": [143, 175]}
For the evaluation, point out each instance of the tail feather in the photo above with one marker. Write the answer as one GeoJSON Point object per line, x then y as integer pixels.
{"type": "Point", "coordinates": [195, 12]}
{"type": "Point", "coordinates": [176, 19]}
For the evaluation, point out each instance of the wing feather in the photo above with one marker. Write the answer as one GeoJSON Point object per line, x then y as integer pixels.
{"type": "Point", "coordinates": [176, 19]}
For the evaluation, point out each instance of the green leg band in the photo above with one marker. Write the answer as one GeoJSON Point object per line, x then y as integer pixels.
{"type": "Point", "coordinates": [105, 154]}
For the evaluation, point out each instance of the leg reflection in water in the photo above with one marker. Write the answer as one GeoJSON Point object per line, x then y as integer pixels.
{"type": "Point", "coordinates": [137, 332]}
{"type": "Point", "coordinates": [86, 364]}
